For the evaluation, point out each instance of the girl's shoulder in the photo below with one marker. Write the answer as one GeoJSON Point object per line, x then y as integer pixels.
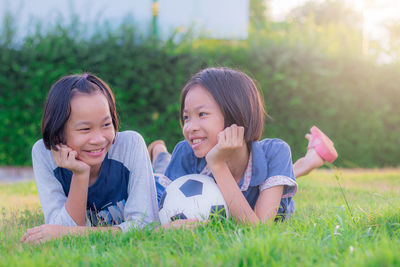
{"type": "Point", "coordinates": [271, 157]}
{"type": "Point", "coordinates": [184, 153]}
{"type": "Point", "coordinates": [184, 161]}
{"type": "Point", "coordinates": [183, 149]}
{"type": "Point", "coordinates": [41, 156]}
{"type": "Point", "coordinates": [40, 150]}
{"type": "Point", "coordinates": [126, 143]}
{"type": "Point", "coordinates": [127, 137]}
{"type": "Point", "coordinates": [38, 146]}
{"type": "Point", "coordinates": [129, 151]}
{"type": "Point", "coordinates": [272, 147]}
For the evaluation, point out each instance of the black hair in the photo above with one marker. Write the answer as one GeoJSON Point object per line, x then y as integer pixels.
{"type": "Point", "coordinates": [57, 108]}
{"type": "Point", "coordinates": [237, 96]}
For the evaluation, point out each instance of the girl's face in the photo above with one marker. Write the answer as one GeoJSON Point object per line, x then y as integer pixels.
{"type": "Point", "coordinates": [89, 130]}
{"type": "Point", "coordinates": [203, 120]}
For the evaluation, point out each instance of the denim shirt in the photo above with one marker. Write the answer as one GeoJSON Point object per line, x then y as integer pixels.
{"type": "Point", "coordinates": [270, 158]}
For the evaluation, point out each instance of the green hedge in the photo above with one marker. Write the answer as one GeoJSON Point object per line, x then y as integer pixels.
{"type": "Point", "coordinates": [355, 101]}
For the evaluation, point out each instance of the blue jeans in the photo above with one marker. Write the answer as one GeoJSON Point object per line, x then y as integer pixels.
{"type": "Point", "coordinates": [161, 162]}
{"type": "Point", "coordinates": [160, 166]}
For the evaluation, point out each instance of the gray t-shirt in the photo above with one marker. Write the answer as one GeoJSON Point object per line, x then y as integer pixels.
{"type": "Point", "coordinates": [124, 193]}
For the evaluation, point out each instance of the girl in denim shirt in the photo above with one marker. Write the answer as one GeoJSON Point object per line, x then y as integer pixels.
{"type": "Point", "coordinates": [222, 118]}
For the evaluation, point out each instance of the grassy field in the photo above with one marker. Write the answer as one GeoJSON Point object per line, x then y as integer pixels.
{"type": "Point", "coordinates": [323, 231]}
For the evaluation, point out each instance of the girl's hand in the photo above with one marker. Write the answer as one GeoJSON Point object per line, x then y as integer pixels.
{"type": "Point", "coordinates": [183, 223]}
{"type": "Point", "coordinates": [43, 233]}
{"type": "Point", "coordinates": [66, 158]}
{"type": "Point", "coordinates": [230, 140]}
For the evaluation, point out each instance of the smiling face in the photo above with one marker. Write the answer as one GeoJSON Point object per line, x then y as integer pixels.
{"type": "Point", "coordinates": [202, 120]}
{"type": "Point", "coordinates": [89, 130]}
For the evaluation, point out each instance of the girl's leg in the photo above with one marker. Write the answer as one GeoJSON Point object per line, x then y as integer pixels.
{"type": "Point", "coordinates": [159, 156]}
{"type": "Point", "coordinates": [306, 164]}
{"type": "Point", "coordinates": [320, 149]}
{"type": "Point", "coordinates": [160, 159]}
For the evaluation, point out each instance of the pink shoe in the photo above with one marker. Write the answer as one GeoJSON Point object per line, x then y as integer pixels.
{"type": "Point", "coordinates": [322, 144]}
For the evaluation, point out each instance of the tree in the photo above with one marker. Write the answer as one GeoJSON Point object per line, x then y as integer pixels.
{"type": "Point", "coordinates": [393, 29]}
{"type": "Point", "coordinates": [327, 12]}
{"type": "Point", "coordinates": [258, 14]}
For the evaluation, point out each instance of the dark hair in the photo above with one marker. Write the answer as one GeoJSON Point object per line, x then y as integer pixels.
{"type": "Point", "coordinates": [58, 105]}
{"type": "Point", "coordinates": [237, 97]}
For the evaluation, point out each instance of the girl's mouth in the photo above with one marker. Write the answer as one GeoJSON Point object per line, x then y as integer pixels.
{"type": "Point", "coordinates": [95, 152]}
{"type": "Point", "coordinates": [196, 143]}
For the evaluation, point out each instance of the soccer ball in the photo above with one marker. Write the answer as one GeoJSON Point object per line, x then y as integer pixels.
{"type": "Point", "coordinates": [192, 196]}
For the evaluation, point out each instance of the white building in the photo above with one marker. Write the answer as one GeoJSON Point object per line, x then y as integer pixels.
{"type": "Point", "coordinates": [220, 19]}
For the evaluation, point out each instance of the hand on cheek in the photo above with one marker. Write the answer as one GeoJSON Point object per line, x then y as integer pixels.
{"type": "Point", "coordinates": [67, 158]}
{"type": "Point", "coordinates": [230, 140]}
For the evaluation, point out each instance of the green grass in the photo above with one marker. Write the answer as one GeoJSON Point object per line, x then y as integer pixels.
{"type": "Point", "coordinates": [321, 233]}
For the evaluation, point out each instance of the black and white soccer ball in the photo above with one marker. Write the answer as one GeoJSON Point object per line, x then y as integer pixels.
{"type": "Point", "coordinates": [192, 196]}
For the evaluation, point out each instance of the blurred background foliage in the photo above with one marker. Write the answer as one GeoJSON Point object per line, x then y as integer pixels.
{"type": "Point", "coordinates": [310, 68]}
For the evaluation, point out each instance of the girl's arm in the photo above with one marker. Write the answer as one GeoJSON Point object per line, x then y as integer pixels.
{"type": "Point", "coordinates": [75, 205]}
{"type": "Point", "coordinates": [51, 192]}
{"type": "Point", "coordinates": [268, 202]}
{"type": "Point", "coordinates": [141, 206]}
{"type": "Point", "coordinates": [266, 206]}
{"type": "Point", "coordinates": [77, 198]}
{"type": "Point", "coordinates": [140, 209]}
{"type": "Point", "coordinates": [231, 140]}
{"type": "Point", "coordinates": [45, 232]}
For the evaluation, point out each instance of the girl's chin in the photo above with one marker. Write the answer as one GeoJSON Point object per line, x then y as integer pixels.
{"type": "Point", "coordinates": [201, 150]}
{"type": "Point", "coordinates": [200, 154]}
{"type": "Point", "coordinates": [94, 162]}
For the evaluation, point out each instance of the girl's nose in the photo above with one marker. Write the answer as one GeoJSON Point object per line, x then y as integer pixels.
{"type": "Point", "coordinates": [191, 126]}
{"type": "Point", "coordinates": [97, 137]}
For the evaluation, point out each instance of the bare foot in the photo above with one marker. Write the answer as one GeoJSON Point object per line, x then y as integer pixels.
{"type": "Point", "coordinates": [310, 161]}
{"type": "Point", "coordinates": [156, 148]}
{"type": "Point", "coordinates": [313, 159]}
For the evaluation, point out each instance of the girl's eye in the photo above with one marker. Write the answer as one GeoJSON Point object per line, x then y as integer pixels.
{"type": "Point", "coordinates": [107, 124]}
{"type": "Point", "coordinates": [84, 129]}
{"type": "Point", "coordinates": [185, 118]}
{"type": "Point", "coordinates": [201, 114]}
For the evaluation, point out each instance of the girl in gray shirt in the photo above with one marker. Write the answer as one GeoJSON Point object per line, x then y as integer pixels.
{"type": "Point", "coordinates": [88, 174]}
